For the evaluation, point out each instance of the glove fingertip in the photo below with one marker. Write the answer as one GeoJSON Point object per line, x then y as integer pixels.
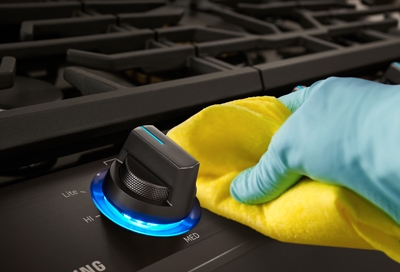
{"type": "Point", "coordinates": [294, 100]}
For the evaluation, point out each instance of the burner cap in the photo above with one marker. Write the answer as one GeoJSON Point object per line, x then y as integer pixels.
{"type": "Point", "coordinates": [28, 91]}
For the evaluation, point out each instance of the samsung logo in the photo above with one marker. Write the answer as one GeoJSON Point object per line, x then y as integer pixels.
{"type": "Point", "coordinates": [94, 267]}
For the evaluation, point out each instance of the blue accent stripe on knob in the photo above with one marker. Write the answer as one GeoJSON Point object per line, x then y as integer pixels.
{"type": "Point", "coordinates": [152, 135]}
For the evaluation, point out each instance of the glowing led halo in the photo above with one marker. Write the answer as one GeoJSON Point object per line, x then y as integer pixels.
{"type": "Point", "coordinates": [139, 226]}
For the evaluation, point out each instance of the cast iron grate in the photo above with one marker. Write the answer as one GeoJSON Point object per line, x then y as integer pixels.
{"type": "Point", "coordinates": [129, 63]}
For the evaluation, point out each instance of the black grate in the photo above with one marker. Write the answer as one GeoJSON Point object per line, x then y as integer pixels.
{"type": "Point", "coordinates": [121, 64]}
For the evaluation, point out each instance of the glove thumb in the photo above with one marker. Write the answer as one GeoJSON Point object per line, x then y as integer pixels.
{"type": "Point", "coordinates": [270, 177]}
{"type": "Point", "coordinates": [267, 180]}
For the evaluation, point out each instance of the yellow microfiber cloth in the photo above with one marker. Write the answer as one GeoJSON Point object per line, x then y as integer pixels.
{"type": "Point", "coordinates": [228, 138]}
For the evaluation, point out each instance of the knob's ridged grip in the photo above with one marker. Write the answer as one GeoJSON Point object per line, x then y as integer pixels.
{"type": "Point", "coordinates": [142, 187]}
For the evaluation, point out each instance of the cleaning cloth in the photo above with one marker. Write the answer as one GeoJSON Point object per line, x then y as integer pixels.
{"type": "Point", "coordinates": [229, 138]}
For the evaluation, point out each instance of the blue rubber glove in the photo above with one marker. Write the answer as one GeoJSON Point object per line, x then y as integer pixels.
{"type": "Point", "coordinates": [343, 131]}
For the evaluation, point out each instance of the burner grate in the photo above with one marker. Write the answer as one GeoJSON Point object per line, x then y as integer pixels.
{"type": "Point", "coordinates": [153, 61]}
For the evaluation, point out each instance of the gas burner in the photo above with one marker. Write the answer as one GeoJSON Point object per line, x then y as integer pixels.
{"type": "Point", "coordinates": [28, 91]}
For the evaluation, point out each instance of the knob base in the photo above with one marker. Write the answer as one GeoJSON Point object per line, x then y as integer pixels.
{"type": "Point", "coordinates": [140, 226]}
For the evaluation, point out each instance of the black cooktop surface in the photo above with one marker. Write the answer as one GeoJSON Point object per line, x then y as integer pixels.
{"type": "Point", "coordinates": [51, 224]}
{"type": "Point", "coordinates": [77, 76]}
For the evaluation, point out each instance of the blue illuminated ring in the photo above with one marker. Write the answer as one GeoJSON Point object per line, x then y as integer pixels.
{"type": "Point", "coordinates": [132, 224]}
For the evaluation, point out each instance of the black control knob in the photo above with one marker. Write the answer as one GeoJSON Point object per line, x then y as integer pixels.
{"type": "Point", "coordinates": [151, 185]}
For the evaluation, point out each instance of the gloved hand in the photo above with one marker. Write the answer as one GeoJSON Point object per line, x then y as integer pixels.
{"type": "Point", "coordinates": [343, 131]}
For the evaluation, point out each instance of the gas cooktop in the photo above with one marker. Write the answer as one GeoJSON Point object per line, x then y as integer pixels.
{"type": "Point", "coordinates": [77, 76]}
